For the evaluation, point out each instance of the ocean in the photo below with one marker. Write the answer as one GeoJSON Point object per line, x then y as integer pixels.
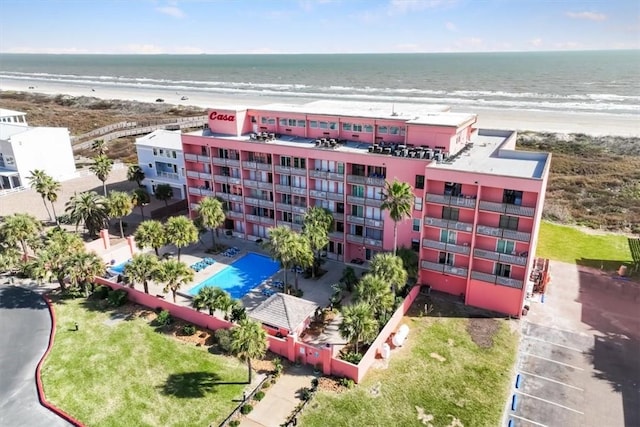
{"type": "Point", "coordinates": [584, 81]}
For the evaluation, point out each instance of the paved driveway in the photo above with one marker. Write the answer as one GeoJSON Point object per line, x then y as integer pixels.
{"type": "Point", "coordinates": [25, 325]}
{"type": "Point", "coordinates": [578, 361]}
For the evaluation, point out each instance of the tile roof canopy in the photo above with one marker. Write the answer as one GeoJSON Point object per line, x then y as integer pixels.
{"type": "Point", "coordinates": [283, 311]}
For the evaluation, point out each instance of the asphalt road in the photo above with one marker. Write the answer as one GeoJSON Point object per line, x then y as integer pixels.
{"type": "Point", "coordinates": [25, 325]}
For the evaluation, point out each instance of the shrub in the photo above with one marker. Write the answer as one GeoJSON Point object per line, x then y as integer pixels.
{"type": "Point", "coordinates": [188, 329]}
{"type": "Point", "coordinates": [266, 384]}
{"type": "Point", "coordinates": [245, 409]}
{"type": "Point", "coordinates": [164, 318]}
{"type": "Point", "coordinates": [352, 357]}
{"type": "Point", "coordinates": [314, 383]}
{"type": "Point", "coordinates": [223, 338]}
{"type": "Point", "coordinates": [306, 393]}
{"type": "Point", "coordinates": [73, 293]}
{"type": "Point", "coordinates": [346, 382]}
{"type": "Point", "coordinates": [101, 292]}
{"type": "Point", "coordinates": [259, 396]}
{"type": "Point", "coordinates": [117, 298]}
{"type": "Point", "coordinates": [277, 366]}
{"type": "Point", "coordinates": [234, 423]}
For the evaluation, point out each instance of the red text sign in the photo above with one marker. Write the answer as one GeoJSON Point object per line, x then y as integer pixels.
{"type": "Point", "coordinates": [224, 117]}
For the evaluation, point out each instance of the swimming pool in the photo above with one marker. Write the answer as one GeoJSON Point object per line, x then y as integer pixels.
{"type": "Point", "coordinates": [241, 276]}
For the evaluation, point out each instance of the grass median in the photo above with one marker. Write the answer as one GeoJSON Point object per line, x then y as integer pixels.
{"type": "Point", "coordinates": [116, 371]}
{"type": "Point", "coordinates": [453, 367]}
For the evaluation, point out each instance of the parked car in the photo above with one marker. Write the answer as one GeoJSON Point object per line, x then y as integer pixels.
{"type": "Point", "coordinates": [159, 100]}
{"type": "Point", "coordinates": [184, 98]}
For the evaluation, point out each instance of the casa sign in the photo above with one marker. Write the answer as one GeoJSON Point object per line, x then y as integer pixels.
{"type": "Point", "coordinates": [223, 117]}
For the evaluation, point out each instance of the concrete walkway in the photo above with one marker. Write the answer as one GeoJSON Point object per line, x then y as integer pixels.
{"type": "Point", "coordinates": [280, 399]}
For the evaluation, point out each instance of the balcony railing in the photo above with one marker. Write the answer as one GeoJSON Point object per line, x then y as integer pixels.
{"type": "Point", "coordinates": [193, 174]}
{"type": "Point", "coordinates": [222, 178]}
{"type": "Point", "coordinates": [250, 183]}
{"type": "Point", "coordinates": [433, 266]}
{"type": "Point", "coordinates": [299, 191]}
{"type": "Point", "coordinates": [225, 162]}
{"type": "Point", "coordinates": [264, 166]}
{"type": "Point", "coordinates": [191, 157]}
{"type": "Point", "coordinates": [355, 239]}
{"type": "Point", "coordinates": [204, 175]}
{"type": "Point", "coordinates": [258, 202]}
{"type": "Point", "coordinates": [355, 219]}
{"type": "Point", "coordinates": [481, 253]}
{"type": "Point", "coordinates": [300, 209]}
{"type": "Point", "coordinates": [337, 216]}
{"type": "Point", "coordinates": [507, 208]}
{"type": "Point", "coordinates": [318, 194]}
{"type": "Point", "coordinates": [249, 165]}
{"type": "Point", "coordinates": [335, 196]}
{"type": "Point", "coordinates": [373, 202]}
{"type": "Point", "coordinates": [284, 207]}
{"type": "Point", "coordinates": [376, 223]}
{"type": "Point", "coordinates": [229, 196]}
{"type": "Point", "coordinates": [336, 235]}
{"type": "Point", "coordinates": [456, 271]}
{"type": "Point", "coordinates": [358, 179]}
{"type": "Point", "coordinates": [234, 214]}
{"type": "Point", "coordinates": [498, 280]}
{"type": "Point", "coordinates": [253, 218]}
{"type": "Point", "coordinates": [447, 247]}
{"type": "Point", "coordinates": [465, 202]}
{"type": "Point", "coordinates": [503, 233]}
{"type": "Point", "coordinates": [356, 200]}
{"type": "Point", "coordinates": [448, 223]}
{"type": "Point", "coordinates": [513, 259]}
{"type": "Point", "coordinates": [265, 185]}
{"type": "Point", "coordinates": [298, 171]}
{"type": "Point", "coordinates": [267, 221]}
{"type": "Point", "coordinates": [170, 175]}
{"type": "Point", "coordinates": [283, 188]}
{"type": "Point", "coordinates": [373, 242]}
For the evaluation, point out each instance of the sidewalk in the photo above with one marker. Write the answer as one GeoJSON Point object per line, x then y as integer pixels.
{"type": "Point", "coordinates": [280, 399]}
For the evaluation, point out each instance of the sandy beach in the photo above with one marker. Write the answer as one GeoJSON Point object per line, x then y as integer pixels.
{"type": "Point", "coordinates": [522, 120]}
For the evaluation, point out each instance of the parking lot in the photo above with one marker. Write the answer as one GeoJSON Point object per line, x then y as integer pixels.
{"type": "Point", "coordinates": [578, 358]}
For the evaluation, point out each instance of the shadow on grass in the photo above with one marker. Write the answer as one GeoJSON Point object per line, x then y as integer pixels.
{"type": "Point", "coordinates": [194, 384]}
{"type": "Point", "coordinates": [609, 266]}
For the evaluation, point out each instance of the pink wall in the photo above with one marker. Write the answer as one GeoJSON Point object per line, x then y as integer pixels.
{"type": "Point", "coordinates": [498, 298]}
{"type": "Point", "coordinates": [229, 122]}
{"type": "Point", "coordinates": [453, 285]}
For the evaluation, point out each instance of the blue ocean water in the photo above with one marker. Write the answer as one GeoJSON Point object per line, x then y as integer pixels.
{"type": "Point", "coordinates": [581, 81]}
{"type": "Point", "coordinates": [241, 276]}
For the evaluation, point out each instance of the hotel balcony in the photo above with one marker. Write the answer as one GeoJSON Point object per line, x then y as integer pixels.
{"type": "Point", "coordinates": [225, 162]}
{"type": "Point", "coordinates": [335, 196]}
{"type": "Point", "coordinates": [252, 218]}
{"type": "Point", "coordinates": [507, 208]}
{"type": "Point", "coordinates": [326, 175]}
{"type": "Point", "coordinates": [497, 280]}
{"type": "Point", "coordinates": [500, 257]}
{"type": "Point", "coordinates": [226, 179]}
{"type": "Point", "coordinates": [170, 175]}
{"type": "Point", "coordinates": [375, 223]}
{"type": "Point", "coordinates": [193, 174]}
{"type": "Point", "coordinates": [234, 215]}
{"type": "Point", "coordinates": [201, 192]}
{"type": "Point", "coordinates": [316, 194]}
{"type": "Point", "coordinates": [355, 219]}
{"type": "Point", "coordinates": [447, 247]}
{"type": "Point", "coordinates": [229, 197]}
{"type": "Point", "coordinates": [267, 221]}
{"type": "Point", "coordinates": [258, 202]}
{"type": "Point", "coordinates": [291, 225]}
{"type": "Point", "coordinates": [263, 185]}
{"type": "Point", "coordinates": [444, 268]}
{"type": "Point", "coordinates": [373, 242]}
{"type": "Point", "coordinates": [358, 179]}
{"type": "Point", "coordinates": [336, 235]}
{"type": "Point", "coordinates": [196, 158]}
{"type": "Point", "coordinates": [448, 223]}
{"type": "Point", "coordinates": [521, 236]}
{"type": "Point", "coordinates": [286, 170]}
{"type": "Point", "coordinates": [352, 238]}
{"type": "Point", "coordinates": [463, 202]}
{"type": "Point", "coordinates": [337, 216]}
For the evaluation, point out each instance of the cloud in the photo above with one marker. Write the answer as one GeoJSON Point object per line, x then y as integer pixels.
{"type": "Point", "coordinates": [588, 16]}
{"type": "Point", "coordinates": [469, 44]}
{"type": "Point", "coordinates": [173, 11]}
{"type": "Point", "coordinates": [398, 7]}
{"type": "Point", "coordinates": [537, 42]}
{"type": "Point", "coordinates": [450, 26]}
{"type": "Point", "coordinates": [143, 49]}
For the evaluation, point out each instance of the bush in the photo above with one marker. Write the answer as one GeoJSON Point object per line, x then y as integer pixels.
{"type": "Point", "coordinates": [266, 384]}
{"type": "Point", "coordinates": [245, 409]}
{"type": "Point", "coordinates": [117, 298]}
{"type": "Point", "coordinates": [164, 318]}
{"type": "Point", "coordinates": [352, 357]}
{"type": "Point", "coordinates": [73, 293]}
{"type": "Point", "coordinates": [259, 396]}
{"type": "Point", "coordinates": [277, 366]}
{"type": "Point", "coordinates": [188, 329]}
{"type": "Point", "coordinates": [234, 423]}
{"type": "Point", "coordinates": [101, 292]}
{"type": "Point", "coordinates": [346, 382]}
{"type": "Point", "coordinates": [223, 338]}
{"type": "Point", "coordinates": [314, 383]}
{"type": "Point", "coordinates": [306, 393]}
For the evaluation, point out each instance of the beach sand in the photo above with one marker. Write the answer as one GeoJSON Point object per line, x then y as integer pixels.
{"type": "Point", "coordinates": [521, 120]}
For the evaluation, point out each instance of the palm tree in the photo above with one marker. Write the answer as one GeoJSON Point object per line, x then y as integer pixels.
{"type": "Point", "coordinates": [390, 269]}
{"type": "Point", "coordinates": [317, 224]}
{"type": "Point", "coordinates": [142, 268]}
{"type": "Point", "coordinates": [101, 167]}
{"type": "Point", "coordinates": [222, 301]}
{"type": "Point", "coordinates": [374, 291]}
{"type": "Point", "coordinates": [20, 228]}
{"type": "Point", "coordinates": [9, 258]}
{"type": "Point", "coordinates": [164, 192]}
{"type": "Point", "coordinates": [89, 208]}
{"type": "Point", "coordinates": [82, 267]}
{"type": "Point", "coordinates": [181, 232]}
{"type": "Point", "coordinates": [51, 193]}
{"type": "Point", "coordinates": [150, 234]}
{"type": "Point", "coordinates": [141, 199]}
{"type": "Point", "coordinates": [100, 146]}
{"type": "Point", "coordinates": [59, 247]}
{"type": "Point", "coordinates": [278, 238]}
{"type": "Point", "coordinates": [358, 324]}
{"type": "Point", "coordinates": [120, 205]}
{"type": "Point", "coordinates": [135, 173]}
{"type": "Point", "coordinates": [397, 198]}
{"type": "Point", "coordinates": [211, 215]}
{"type": "Point", "coordinates": [248, 341]}
{"type": "Point", "coordinates": [174, 274]}
{"type": "Point", "coordinates": [205, 298]}
{"type": "Point", "coordinates": [300, 253]}
{"type": "Point", "coordinates": [38, 181]}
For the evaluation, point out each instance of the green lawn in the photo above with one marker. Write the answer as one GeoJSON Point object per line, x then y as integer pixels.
{"type": "Point", "coordinates": [569, 244]}
{"type": "Point", "coordinates": [471, 384]}
{"type": "Point", "coordinates": [129, 375]}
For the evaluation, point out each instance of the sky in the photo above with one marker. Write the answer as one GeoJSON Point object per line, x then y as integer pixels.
{"type": "Point", "coordinates": [315, 26]}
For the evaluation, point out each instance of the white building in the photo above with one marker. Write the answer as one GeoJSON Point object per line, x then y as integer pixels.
{"type": "Point", "coordinates": [160, 157]}
{"type": "Point", "coordinates": [24, 148]}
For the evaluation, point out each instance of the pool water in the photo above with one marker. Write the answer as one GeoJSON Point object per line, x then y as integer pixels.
{"type": "Point", "coordinates": [241, 276]}
{"type": "Point", "coordinates": [118, 269]}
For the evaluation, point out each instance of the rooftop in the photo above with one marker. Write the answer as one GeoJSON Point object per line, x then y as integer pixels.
{"type": "Point", "coordinates": [283, 311]}
{"type": "Point", "coordinates": [10, 113]}
{"type": "Point", "coordinates": [7, 130]}
{"type": "Point", "coordinates": [485, 155]}
{"type": "Point", "coordinates": [161, 138]}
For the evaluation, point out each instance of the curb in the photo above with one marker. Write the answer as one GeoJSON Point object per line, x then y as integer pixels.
{"type": "Point", "coordinates": [41, 396]}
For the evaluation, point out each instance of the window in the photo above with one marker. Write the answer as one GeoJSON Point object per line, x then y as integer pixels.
{"type": "Point", "coordinates": [357, 210]}
{"type": "Point", "coordinates": [502, 270]}
{"type": "Point", "coordinates": [271, 121]}
{"type": "Point", "coordinates": [313, 124]}
{"type": "Point", "coordinates": [419, 182]}
{"type": "Point", "coordinates": [417, 203]}
{"type": "Point", "coordinates": [285, 161]}
{"type": "Point", "coordinates": [357, 128]}
{"type": "Point", "coordinates": [509, 222]}
{"type": "Point", "coordinates": [299, 162]}
{"type": "Point", "coordinates": [340, 227]}
{"type": "Point", "coordinates": [333, 125]}
{"type": "Point", "coordinates": [340, 207]}
{"type": "Point", "coordinates": [173, 154]}
{"type": "Point", "coordinates": [368, 128]}
{"type": "Point", "coordinates": [346, 126]}
{"type": "Point", "coordinates": [263, 120]}
{"type": "Point", "coordinates": [357, 190]}
{"type": "Point", "coordinates": [356, 230]}
{"type": "Point", "coordinates": [323, 125]}
{"type": "Point", "coordinates": [155, 151]}
{"type": "Point", "coordinates": [383, 129]}
{"type": "Point", "coordinates": [452, 189]}
{"type": "Point", "coordinates": [512, 197]}
{"type": "Point", "coordinates": [394, 130]}
{"type": "Point", "coordinates": [448, 236]}
{"type": "Point", "coordinates": [450, 213]}
{"type": "Point", "coordinates": [283, 122]}
{"type": "Point", "coordinates": [445, 258]}
{"type": "Point", "coordinates": [341, 168]}
{"type": "Point", "coordinates": [506, 247]}
{"type": "Point", "coordinates": [416, 224]}
{"type": "Point", "coordinates": [301, 123]}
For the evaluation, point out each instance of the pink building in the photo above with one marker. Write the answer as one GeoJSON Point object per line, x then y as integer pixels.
{"type": "Point", "coordinates": [477, 205]}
